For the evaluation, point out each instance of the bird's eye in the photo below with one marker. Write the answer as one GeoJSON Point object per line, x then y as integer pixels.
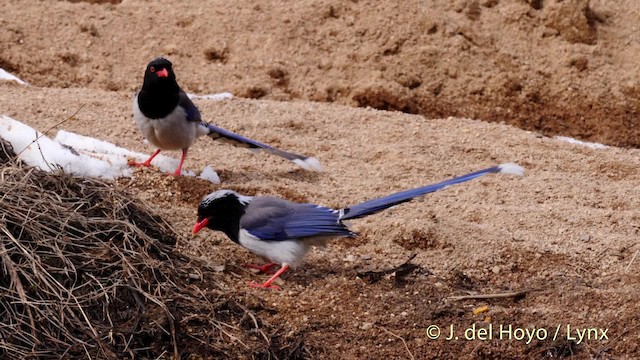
{"type": "Point", "coordinates": [152, 69]}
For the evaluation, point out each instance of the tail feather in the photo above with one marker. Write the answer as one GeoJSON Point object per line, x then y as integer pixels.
{"type": "Point", "coordinates": [220, 134]}
{"type": "Point", "coordinates": [377, 205]}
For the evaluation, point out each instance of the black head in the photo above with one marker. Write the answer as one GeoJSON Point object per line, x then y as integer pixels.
{"type": "Point", "coordinates": [159, 71]}
{"type": "Point", "coordinates": [160, 92]}
{"type": "Point", "coordinates": [221, 210]}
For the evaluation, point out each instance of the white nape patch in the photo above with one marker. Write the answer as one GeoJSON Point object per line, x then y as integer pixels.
{"type": "Point", "coordinates": [210, 175]}
{"type": "Point", "coordinates": [76, 154]}
{"type": "Point", "coordinates": [5, 75]}
{"type": "Point", "coordinates": [511, 168]}
{"type": "Point", "coordinates": [285, 252]}
{"type": "Point", "coordinates": [310, 163]}
{"type": "Point", "coordinates": [215, 97]}
{"type": "Point", "coordinates": [207, 199]}
{"type": "Point", "coordinates": [581, 143]}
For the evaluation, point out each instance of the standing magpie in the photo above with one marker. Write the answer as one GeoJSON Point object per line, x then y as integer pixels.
{"type": "Point", "coordinates": [170, 121]}
{"type": "Point", "coordinates": [283, 231]}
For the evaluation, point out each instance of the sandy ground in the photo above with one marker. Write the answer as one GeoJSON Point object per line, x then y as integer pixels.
{"type": "Point", "coordinates": [567, 232]}
{"type": "Point", "coordinates": [544, 65]}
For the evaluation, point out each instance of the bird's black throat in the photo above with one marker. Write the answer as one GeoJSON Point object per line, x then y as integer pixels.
{"type": "Point", "coordinates": [158, 96]}
{"type": "Point", "coordinates": [231, 229]}
{"type": "Point", "coordinates": [224, 215]}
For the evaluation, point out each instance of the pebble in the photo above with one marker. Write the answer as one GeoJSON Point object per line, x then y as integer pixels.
{"type": "Point", "coordinates": [350, 20]}
{"type": "Point", "coordinates": [366, 326]}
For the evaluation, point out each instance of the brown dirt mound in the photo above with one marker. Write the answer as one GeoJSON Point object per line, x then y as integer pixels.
{"type": "Point", "coordinates": [90, 271]}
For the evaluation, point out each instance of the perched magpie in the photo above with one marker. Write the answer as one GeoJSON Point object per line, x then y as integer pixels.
{"type": "Point", "coordinates": [170, 121]}
{"type": "Point", "coordinates": [284, 231]}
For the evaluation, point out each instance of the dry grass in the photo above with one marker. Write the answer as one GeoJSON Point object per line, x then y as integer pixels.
{"type": "Point", "coordinates": [88, 271]}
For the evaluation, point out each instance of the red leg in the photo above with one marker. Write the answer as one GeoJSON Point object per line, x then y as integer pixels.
{"type": "Point", "coordinates": [184, 155]}
{"type": "Point", "coordinates": [146, 163]}
{"type": "Point", "coordinates": [265, 269]}
{"type": "Point", "coordinates": [267, 284]}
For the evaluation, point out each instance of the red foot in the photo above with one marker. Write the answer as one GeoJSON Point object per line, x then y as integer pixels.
{"type": "Point", "coordinates": [264, 269]}
{"type": "Point", "coordinates": [266, 285]}
{"type": "Point", "coordinates": [133, 163]}
{"type": "Point", "coordinates": [269, 283]}
{"type": "Point", "coordinates": [147, 163]}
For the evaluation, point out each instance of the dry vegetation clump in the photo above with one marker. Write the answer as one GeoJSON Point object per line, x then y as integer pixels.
{"type": "Point", "coordinates": [89, 271]}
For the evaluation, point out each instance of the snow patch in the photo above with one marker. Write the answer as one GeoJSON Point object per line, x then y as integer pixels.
{"type": "Point", "coordinates": [214, 97]}
{"type": "Point", "coordinates": [581, 143]}
{"type": "Point", "coordinates": [4, 75]}
{"type": "Point", "coordinates": [210, 175]}
{"type": "Point", "coordinates": [81, 155]}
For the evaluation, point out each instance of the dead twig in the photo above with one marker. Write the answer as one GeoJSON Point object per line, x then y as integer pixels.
{"type": "Point", "coordinates": [401, 339]}
{"type": "Point", "coordinates": [633, 258]}
{"type": "Point", "coordinates": [615, 340]}
{"type": "Point", "coordinates": [72, 116]}
{"type": "Point", "coordinates": [399, 271]}
{"type": "Point", "coordinates": [515, 294]}
{"type": "Point", "coordinates": [90, 272]}
{"type": "Point", "coordinates": [15, 280]}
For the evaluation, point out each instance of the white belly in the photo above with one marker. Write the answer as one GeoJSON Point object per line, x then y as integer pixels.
{"type": "Point", "coordinates": [172, 132]}
{"type": "Point", "coordinates": [286, 252]}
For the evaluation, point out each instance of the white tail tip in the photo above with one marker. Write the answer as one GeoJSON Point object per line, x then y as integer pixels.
{"type": "Point", "coordinates": [310, 163]}
{"type": "Point", "coordinates": [511, 168]}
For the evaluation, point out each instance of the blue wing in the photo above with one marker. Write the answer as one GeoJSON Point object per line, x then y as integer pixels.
{"type": "Point", "coordinates": [193, 114]}
{"type": "Point", "coordinates": [276, 219]}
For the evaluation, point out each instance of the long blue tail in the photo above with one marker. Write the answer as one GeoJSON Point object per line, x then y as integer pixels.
{"type": "Point", "coordinates": [217, 133]}
{"type": "Point", "coordinates": [376, 205]}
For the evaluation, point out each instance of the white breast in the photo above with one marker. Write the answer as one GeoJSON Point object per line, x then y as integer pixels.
{"type": "Point", "coordinates": [173, 132]}
{"type": "Point", "coordinates": [286, 252]}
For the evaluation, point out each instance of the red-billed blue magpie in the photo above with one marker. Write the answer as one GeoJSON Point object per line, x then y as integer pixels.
{"type": "Point", "coordinates": [284, 231]}
{"type": "Point", "coordinates": [170, 121]}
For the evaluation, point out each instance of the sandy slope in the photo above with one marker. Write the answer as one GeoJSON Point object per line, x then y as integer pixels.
{"type": "Point", "coordinates": [551, 66]}
{"type": "Point", "coordinates": [567, 231]}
